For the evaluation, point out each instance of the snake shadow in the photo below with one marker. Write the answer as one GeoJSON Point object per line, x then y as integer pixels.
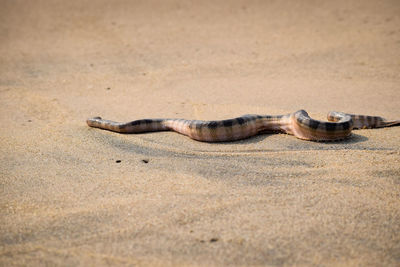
{"type": "Point", "coordinates": [352, 139]}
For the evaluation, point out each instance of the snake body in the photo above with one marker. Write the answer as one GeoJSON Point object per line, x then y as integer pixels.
{"type": "Point", "coordinates": [299, 124]}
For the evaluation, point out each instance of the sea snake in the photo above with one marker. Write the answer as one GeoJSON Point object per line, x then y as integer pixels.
{"type": "Point", "coordinates": [299, 124]}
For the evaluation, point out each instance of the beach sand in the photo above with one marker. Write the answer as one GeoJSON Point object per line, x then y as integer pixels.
{"type": "Point", "coordinates": [78, 196]}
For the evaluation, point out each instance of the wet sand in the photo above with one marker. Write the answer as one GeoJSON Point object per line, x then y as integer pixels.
{"type": "Point", "coordinates": [73, 195]}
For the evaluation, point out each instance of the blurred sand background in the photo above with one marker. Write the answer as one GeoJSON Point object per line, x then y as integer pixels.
{"type": "Point", "coordinates": [269, 200]}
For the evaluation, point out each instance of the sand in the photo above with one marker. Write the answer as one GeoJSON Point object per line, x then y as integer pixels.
{"type": "Point", "coordinates": [271, 200]}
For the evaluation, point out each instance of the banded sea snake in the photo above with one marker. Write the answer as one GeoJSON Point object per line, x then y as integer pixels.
{"type": "Point", "coordinates": [299, 124]}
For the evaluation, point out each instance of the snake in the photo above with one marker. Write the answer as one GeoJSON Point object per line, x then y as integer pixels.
{"type": "Point", "coordinates": [338, 127]}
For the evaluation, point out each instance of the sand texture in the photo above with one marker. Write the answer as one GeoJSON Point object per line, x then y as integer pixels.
{"type": "Point", "coordinates": [71, 195]}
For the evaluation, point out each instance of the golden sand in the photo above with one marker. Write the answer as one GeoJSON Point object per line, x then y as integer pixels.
{"type": "Point", "coordinates": [74, 195]}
